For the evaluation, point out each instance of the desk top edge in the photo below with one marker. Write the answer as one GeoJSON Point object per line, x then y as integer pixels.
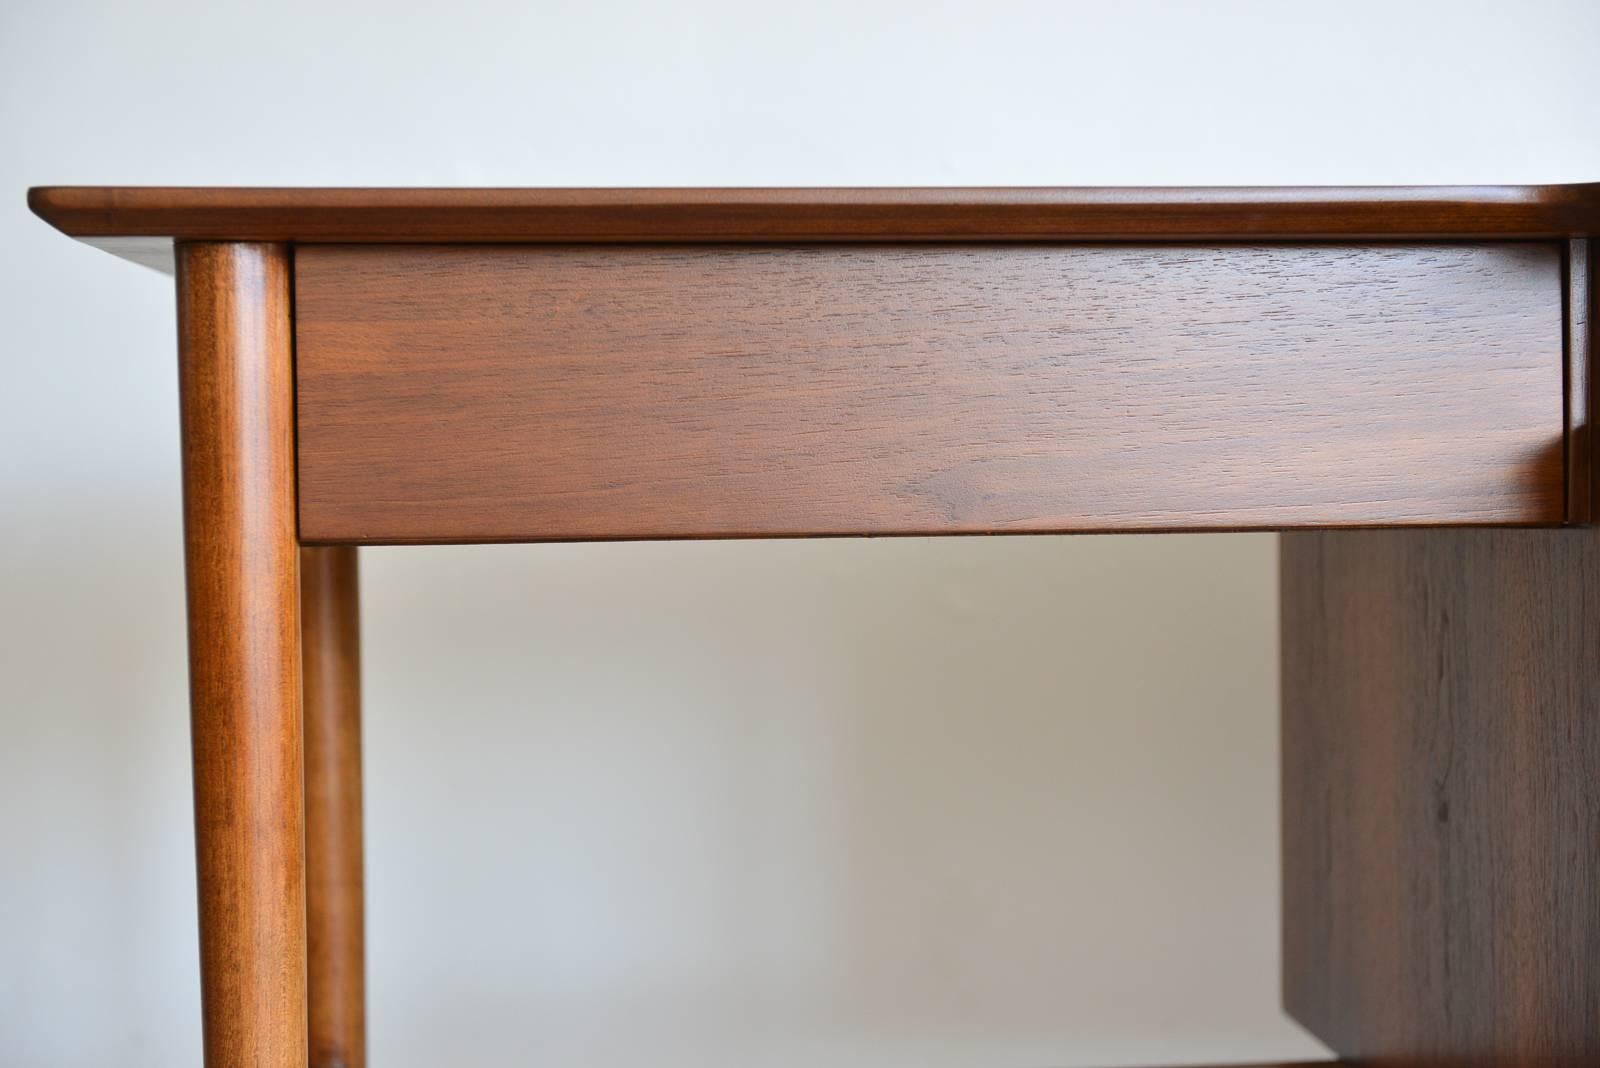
{"type": "Point", "coordinates": [616, 215]}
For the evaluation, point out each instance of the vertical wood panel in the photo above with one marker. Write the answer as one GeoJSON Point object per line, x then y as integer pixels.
{"type": "Point", "coordinates": [1441, 825]}
{"type": "Point", "coordinates": [236, 391]}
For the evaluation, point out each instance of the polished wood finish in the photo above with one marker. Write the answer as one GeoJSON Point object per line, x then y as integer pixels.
{"type": "Point", "coordinates": [524, 216]}
{"type": "Point", "coordinates": [335, 924]}
{"type": "Point", "coordinates": [236, 393]}
{"type": "Point", "coordinates": [456, 393]}
{"type": "Point", "coordinates": [1441, 825]}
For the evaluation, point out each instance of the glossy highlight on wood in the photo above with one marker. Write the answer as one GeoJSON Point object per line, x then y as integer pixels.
{"type": "Point", "coordinates": [335, 885]}
{"type": "Point", "coordinates": [461, 393]}
{"type": "Point", "coordinates": [1441, 822]}
{"type": "Point", "coordinates": [242, 561]}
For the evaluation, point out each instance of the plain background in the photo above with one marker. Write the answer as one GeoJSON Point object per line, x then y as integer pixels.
{"type": "Point", "coordinates": [1002, 802]}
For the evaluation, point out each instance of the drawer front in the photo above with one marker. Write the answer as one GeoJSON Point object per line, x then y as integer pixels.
{"type": "Point", "coordinates": [482, 393]}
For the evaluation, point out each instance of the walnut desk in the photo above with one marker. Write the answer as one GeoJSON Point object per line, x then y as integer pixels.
{"type": "Point", "coordinates": [1400, 377]}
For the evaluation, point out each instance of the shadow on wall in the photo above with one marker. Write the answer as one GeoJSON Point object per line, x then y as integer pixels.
{"type": "Point", "coordinates": [895, 802]}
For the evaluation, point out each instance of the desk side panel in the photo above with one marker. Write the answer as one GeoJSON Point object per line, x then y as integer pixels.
{"type": "Point", "coordinates": [520, 393]}
{"type": "Point", "coordinates": [1441, 826]}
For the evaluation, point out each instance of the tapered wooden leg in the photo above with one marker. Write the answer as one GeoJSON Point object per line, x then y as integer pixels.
{"type": "Point", "coordinates": [335, 940]}
{"type": "Point", "coordinates": [236, 392]}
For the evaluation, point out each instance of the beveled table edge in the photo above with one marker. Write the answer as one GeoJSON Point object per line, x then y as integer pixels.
{"type": "Point", "coordinates": [820, 215]}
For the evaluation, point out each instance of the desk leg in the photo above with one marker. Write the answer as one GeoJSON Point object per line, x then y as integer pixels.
{"type": "Point", "coordinates": [335, 940]}
{"type": "Point", "coordinates": [236, 398]}
{"type": "Point", "coordinates": [1441, 794]}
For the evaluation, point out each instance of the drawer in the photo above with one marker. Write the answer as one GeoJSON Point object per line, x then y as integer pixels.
{"type": "Point", "coordinates": [518, 392]}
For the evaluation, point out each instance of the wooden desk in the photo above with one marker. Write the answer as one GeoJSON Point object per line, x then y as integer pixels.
{"type": "Point", "coordinates": [365, 367]}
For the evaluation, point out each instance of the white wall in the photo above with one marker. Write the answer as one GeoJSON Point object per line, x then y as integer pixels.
{"type": "Point", "coordinates": [989, 801]}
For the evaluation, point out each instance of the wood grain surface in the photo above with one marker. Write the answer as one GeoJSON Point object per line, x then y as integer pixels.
{"type": "Point", "coordinates": [330, 623]}
{"type": "Point", "coordinates": [455, 393]}
{"type": "Point", "coordinates": [1441, 826]}
{"type": "Point", "coordinates": [526, 216]}
{"type": "Point", "coordinates": [237, 397]}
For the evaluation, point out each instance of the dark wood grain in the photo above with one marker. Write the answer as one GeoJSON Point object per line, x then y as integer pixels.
{"type": "Point", "coordinates": [526, 216]}
{"type": "Point", "coordinates": [236, 392]}
{"type": "Point", "coordinates": [1441, 826]}
{"type": "Point", "coordinates": [453, 393]}
{"type": "Point", "coordinates": [335, 887]}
